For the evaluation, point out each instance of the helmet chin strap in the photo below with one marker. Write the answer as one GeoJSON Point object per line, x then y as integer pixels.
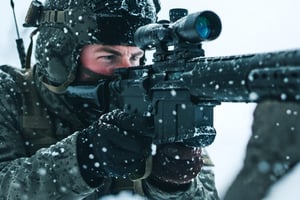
{"type": "Point", "coordinates": [60, 88]}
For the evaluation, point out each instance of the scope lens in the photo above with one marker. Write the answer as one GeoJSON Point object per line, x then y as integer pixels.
{"type": "Point", "coordinates": [203, 27]}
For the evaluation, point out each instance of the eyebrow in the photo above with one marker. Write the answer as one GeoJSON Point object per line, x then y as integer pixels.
{"type": "Point", "coordinates": [110, 50]}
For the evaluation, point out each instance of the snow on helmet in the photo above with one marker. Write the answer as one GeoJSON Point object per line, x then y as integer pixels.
{"type": "Point", "coordinates": [66, 26]}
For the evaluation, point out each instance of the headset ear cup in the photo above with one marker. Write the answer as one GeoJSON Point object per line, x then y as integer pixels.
{"type": "Point", "coordinates": [55, 54]}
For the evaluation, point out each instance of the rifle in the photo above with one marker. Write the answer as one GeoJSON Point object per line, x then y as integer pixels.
{"type": "Point", "coordinates": [178, 92]}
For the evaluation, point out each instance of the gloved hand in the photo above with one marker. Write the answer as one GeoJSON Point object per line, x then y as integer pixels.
{"type": "Point", "coordinates": [175, 164]}
{"type": "Point", "coordinates": [112, 147]}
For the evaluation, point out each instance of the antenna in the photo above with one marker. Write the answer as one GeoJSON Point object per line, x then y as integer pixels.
{"type": "Point", "coordinates": [19, 40]}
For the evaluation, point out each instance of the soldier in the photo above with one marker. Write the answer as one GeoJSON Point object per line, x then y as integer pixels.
{"type": "Point", "coordinates": [57, 146]}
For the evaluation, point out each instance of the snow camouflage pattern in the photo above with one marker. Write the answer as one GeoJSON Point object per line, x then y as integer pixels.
{"type": "Point", "coordinates": [272, 151]}
{"type": "Point", "coordinates": [31, 172]}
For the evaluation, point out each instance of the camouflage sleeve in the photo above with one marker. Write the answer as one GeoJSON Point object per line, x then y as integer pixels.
{"type": "Point", "coordinates": [51, 173]}
{"type": "Point", "coordinates": [272, 151]}
{"type": "Point", "coordinates": [202, 187]}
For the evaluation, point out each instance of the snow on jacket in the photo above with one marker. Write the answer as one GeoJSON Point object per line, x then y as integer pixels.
{"type": "Point", "coordinates": [39, 161]}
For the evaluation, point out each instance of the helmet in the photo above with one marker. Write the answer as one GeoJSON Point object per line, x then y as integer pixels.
{"type": "Point", "coordinates": [66, 26]}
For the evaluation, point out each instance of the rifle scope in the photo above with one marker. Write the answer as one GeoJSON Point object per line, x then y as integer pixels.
{"type": "Point", "coordinates": [192, 28]}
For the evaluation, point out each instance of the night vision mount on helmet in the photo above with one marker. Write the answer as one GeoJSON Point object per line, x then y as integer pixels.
{"type": "Point", "coordinates": [66, 26]}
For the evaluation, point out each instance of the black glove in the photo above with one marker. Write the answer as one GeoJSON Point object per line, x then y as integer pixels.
{"type": "Point", "coordinates": [114, 146]}
{"type": "Point", "coordinates": [175, 165]}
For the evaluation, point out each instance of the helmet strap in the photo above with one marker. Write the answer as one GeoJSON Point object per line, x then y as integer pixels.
{"type": "Point", "coordinates": [29, 50]}
{"type": "Point", "coordinates": [60, 88]}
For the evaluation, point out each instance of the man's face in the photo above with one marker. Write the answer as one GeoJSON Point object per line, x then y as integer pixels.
{"type": "Point", "coordinates": [104, 59]}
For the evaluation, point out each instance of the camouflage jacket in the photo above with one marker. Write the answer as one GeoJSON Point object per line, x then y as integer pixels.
{"type": "Point", "coordinates": [38, 151]}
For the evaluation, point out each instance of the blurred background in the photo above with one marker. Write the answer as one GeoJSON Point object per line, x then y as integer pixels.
{"type": "Point", "coordinates": [247, 27]}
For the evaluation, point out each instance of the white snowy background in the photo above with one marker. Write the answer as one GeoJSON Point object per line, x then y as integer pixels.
{"type": "Point", "coordinates": [248, 27]}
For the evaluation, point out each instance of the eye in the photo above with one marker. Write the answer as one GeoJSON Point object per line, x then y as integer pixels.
{"type": "Point", "coordinates": [110, 57]}
{"type": "Point", "coordinates": [107, 57]}
{"type": "Point", "coordinates": [136, 57]}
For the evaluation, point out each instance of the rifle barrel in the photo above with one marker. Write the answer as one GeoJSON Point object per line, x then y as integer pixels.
{"type": "Point", "coordinates": [246, 78]}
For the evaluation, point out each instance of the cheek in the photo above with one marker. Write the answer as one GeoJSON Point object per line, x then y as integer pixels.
{"type": "Point", "coordinates": [87, 60]}
{"type": "Point", "coordinates": [104, 71]}
{"type": "Point", "coordinates": [100, 68]}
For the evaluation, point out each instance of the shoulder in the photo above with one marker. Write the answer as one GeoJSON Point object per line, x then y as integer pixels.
{"type": "Point", "coordinates": [11, 78]}
{"type": "Point", "coordinates": [9, 73]}
{"type": "Point", "coordinates": [10, 87]}
{"type": "Point", "coordinates": [5, 74]}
